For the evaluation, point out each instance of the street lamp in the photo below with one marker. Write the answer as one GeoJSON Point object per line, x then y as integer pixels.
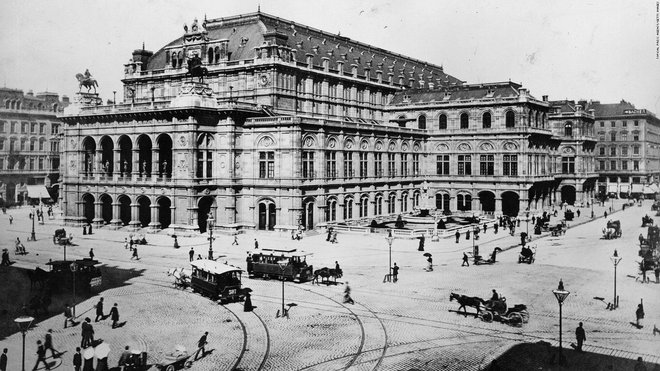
{"type": "Point", "coordinates": [435, 236]}
{"type": "Point", "coordinates": [592, 208]}
{"type": "Point", "coordinates": [561, 295]}
{"type": "Point", "coordinates": [527, 222]}
{"type": "Point", "coordinates": [23, 323]}
{"type": "Point", "coordinates": [389, 239]}
{"type": "Point", "coordinates": [283, 264]}
{"type": "Point", "coordinates": [209, 226]}
{"type": "Point", "coordinates": [615, 260]}
{"type": "Point", "coordinates": [33, 214]}
{"type": "Point", "coordinates": [74, 269]}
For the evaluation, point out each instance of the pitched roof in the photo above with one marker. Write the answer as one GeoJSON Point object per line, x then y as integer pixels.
{"type": "Point", "coordinates": [248, 31]}
{"type": "Point", "coordinates": [610, 109]}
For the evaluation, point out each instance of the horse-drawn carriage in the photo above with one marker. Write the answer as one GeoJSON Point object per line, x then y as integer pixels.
{"type": "Point", "coordinates": [325, 274]}
{"type": "Point", "coordinates": [558, 229]}
{"type": "Point", "coordinates": [612, 230]}
{"type": "Point", "coordinates": [479, 260]}
{"type": "Point", "coordinates": [60, 238]}
{"type": "Point", "coordinates": [491, 310]}
{"type": "Point", "coordinates": [288, 264]}
{"type": "Point", "coordinates": [527, 255]}
{"type": "Point", "coordinates": [646, 221]}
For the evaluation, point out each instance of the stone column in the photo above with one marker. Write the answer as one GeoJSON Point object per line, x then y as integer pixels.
{"type": "Point", "coordinates": [155, 217]}
{"type": "Point", "coordinates": [154, 163]}
{"type": "Point", "coordinates": [116, 166]}
{"type": "Point", "coordinates": [98, 211]}
{"type": "Point", "coordinates": [135, 216]}
{"type": "Point", "coordinates": [80, 205]}
{"type": "Point", "coordinates": [98, 169]}
{"type": "Point", "coordinates": [135, 170]}
{"type": "Point", "coordinates": [115, 222]}
{"type": "Point", "coordinates": [498, 205]}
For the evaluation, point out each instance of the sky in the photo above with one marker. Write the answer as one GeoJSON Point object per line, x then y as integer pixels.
{"type": "Point", "coordinates": [600, 50]}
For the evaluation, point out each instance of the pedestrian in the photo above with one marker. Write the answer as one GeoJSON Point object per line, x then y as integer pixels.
{"type": "Point", "coordinates": [41, 356]}
{"type": "Point", "coordinates": [199, 257]}
{"type": "Point", "coordinates": [114, 315]}
{"type": "Point", "coordinates": [5, 258]}
{"type": "Point", "coordinates": [48, 344]}
{"type": "Point", "coordinates": [485, 227]}
{"type": "Point", "coordinates": [89, 228]}
{"type": "Point", "coordinates": [467, 234]}
{"type": "Point", "coordinates": [580, 337]}
{"type": "Point", "coordinates": [458, 236]}
{"type": "Point", "coordinates": [201, 345]}
{"type": "Point", "coordinates": [605, 214]}
{"type": "Point", "coordinates": [421, 244]}
{"type": "Point", "coordinates": [639, 314]}
{"type": "Point", "coordinates": [130, 242]}
{"type": "Point", "coordinates": [256, 244]}
{"type": "Point", "coordinates": [84, 230]}
{"type": "Point", "coordinates": [3, 360]}
{"type": "Point", "coordinates": [135, 254]}
{"type": "Point", "coordinates": [77, 360]}
{"type": "Point", "coordinates": [125, 243]}
{"type": "Point", "coordinates": [578, 212]}
{"type": "Point", "coordinates": [395, 273]}
{"type": "Point", "coordinates": [247, 305]}
{"type": "Point", "coordinates": [235, 240]}
{"type": "Point", "coordinates": [429, 260]}
{"type": "Point", "coordinates": [347, 294]}
{"type": "Point", "coordinates": [91, 254]}
{"type": "Point", "coordinates": [11, 219]}
{"type": "Point", "coordinates": [99, 310]}
{"type": "Point", "coordinates": [465, 260]}
{"type": "Point", "coordinates": [191, 254]}
{"type": "Point", "coordinates": [495, 227]}
{"type": "Point", "coordinates": [337, 268]}
{"type": "Point", "coordinates": [68, 316]}
{"type": "Point", "coordinates": [657, 274]}
{"type": "Point", "coordinates": [125, 358]}
{"type": "Point", "coordinates": [533, 219]}
{"type": "Point", "coordinates": [640, 366]}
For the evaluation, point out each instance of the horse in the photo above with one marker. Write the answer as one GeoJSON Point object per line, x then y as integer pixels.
{"type": "Point", "coordinates": [87, 82]}
{"type": "Point", "coordinates": [37, 276]}
{"type": "Point", "coordinates": [467, 301]}
{"type": "Point", "coordinates": [181, 277]}
{"type": "Point", "coordinates": [323, 273]}
{"type": "Point", "coordinates": [196, 69]}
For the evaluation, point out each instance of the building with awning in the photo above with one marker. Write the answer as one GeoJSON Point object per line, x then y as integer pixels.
{"type": "Point", "coordinates": [612, 188]}
{"type": "Point", "coordinates": [637, 188]}
{"type": "Point", "coordinates": [37, 191]}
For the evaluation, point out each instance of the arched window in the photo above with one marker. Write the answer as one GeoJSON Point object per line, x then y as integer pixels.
{"type": "Point", "coordinates": [378, 205]}
{"type": "Point", "coordinates": [416, 198]}
{"type": "Point", "coordinates": [544, 120]}
{"type": "Point", "coordinates": [364, 206]}
{"type": "Point", "coordinates": [167, 57]}
{"type": "Point", "coordinates": [174, 60]}
{"type": "Point", "coordinates": [217, 54]}
{"type": "Point", "coordinates": [485, 120]}
{"type": "Point", "coordinates": [442, 122]}
{"type": "Point", "coordinates": [404, 202]}
{"type": "Point", "coordinates": [421, 122]}
{"type": "Point", "coordinates": [348, 208]}
{"type": "Point", "coordinates": [180, 63]}
{"type": "Point", "coordinates": [529, 118]}
{"type": "Point", "coordinates": [568, 129]}
{"type": "Point", "coordinates": [210, 55]}
{"type": "Point", "coordinates": [332, 210]}
{"type": "Point", "coordinates": [391, 205]}
{"type": "Point", "coordinates": [205, 156]}
{"type": "Point", "coordinates": [465, 121]}
{"type": "Point", "coordinates": [7, 102]}
{"type": "Point", "coordinates": [536, 120]}
{"type": "Point", "coordinates": [510, 119]}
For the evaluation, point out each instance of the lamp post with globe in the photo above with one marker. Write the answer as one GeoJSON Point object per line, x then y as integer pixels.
{"type": "Point", "coordinates": [616, 259]}
{"type": "Point", "coordinates": [389, 240]}
{"type": "Point", "coordinates": [23, 323]}
{"type": "Point", "coordinates": [561, 294]}
{"type": "Point", "coordinates": [209, 223]}
{"type": "Point", "coordinates": [283, 264]}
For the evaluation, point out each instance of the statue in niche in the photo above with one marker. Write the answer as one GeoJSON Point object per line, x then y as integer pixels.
{"type": "Point", "coordinates": [165, 167]}
{"type": "Point", "coordinates": [144, 167]}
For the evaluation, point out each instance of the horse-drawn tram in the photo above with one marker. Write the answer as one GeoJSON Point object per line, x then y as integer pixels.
{"type": "Point", "coordinates": [217, 280]}
{"type": "Point", "coordinates": [86, 271]}
{"type": "Point", "coordinates": [271, 263]}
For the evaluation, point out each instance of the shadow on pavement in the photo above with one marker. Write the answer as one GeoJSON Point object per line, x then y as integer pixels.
{"type": "Point", "coordinates": [543, 356]}
{"type": "Point", "coordinates": [42, 301]}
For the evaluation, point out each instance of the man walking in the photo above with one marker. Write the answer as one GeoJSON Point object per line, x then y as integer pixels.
{"type": "Point", "coordinates": [458, 236]}
{"type": "Point", "coordinates": [235, 240]}
{"type": "Point", "coordinates": [99, 310]}
{"type": "Point", "coordinates": [3, 360]}
{"type": "Point", "coordinates": [395, 273]}
{"type": "Point", "coordinates": [91, 254]}
{"type": "Point", "coordinates": [201, 345]}
{"type": "Point", "coordinates": [77, 360]}
{"type": "Point", "coordinates": [256, 244]}
{"type": "Point", "coordinates": [41, 356]}
{"type": "Point", "coordinates": [135, 254]}
{"type": "Point", "coordinates": [639, 314]}
{"type": "Point", "coordinates": [114, 315]}
{"type": "Point", "coordinates": [48, 344]}
{"type": "Point", "coordinates": [466, 262]}
{"type": "Point", "coordinates": [68, 315]}
{"type": "Point", "coordinates": [191, 254]}
{"type": "Point", "coordinates": [11, 219]}
{"type": "Point", "coordinates": [580, 337]}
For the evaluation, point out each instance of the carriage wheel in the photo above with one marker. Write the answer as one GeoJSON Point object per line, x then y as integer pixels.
{"type": "Point", "coordinates": [170, 368]}
{"type": "Point", "coordinates": [525, 316]}
{"type": "Point", "coordinates": [515, 319]}
{"type": "Point", "coordinates": [188, 364]}
{"type": "Point", "coordinates": [487, 317]}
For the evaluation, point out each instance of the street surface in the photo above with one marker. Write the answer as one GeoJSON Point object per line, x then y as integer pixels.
{"type": "Point", "coordinates": [392, 326]}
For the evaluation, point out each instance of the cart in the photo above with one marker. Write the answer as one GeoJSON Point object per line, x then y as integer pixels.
{"type": "Point", "coordinates": [498, 310]}
{"type": "Point", "coordinates": [177, 360]}
{"type": "Point", "coordinates": [527, 255]}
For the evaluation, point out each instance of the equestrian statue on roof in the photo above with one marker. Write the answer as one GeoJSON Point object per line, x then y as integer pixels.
{"type": "Point", "coordinates": [195, 67]}
{"type": "Point", "coordinates": [87, 81]}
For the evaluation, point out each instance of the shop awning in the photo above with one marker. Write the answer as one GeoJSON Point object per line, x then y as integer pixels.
{"type": "Point", "coordinates": [612, 188]}
{"type": "Point", "coordinates": [37, 191]}
{"type": "Point", "coordinates": [648, 190]}
{"type": "Point", "coordinates": [637, 188]}
{"type": "Point", "coordinates": [654, 187]}
{"type": "Point", "coordinates": [623, 188]}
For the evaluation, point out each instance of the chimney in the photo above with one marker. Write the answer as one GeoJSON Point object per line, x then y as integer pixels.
{"type": "Point", "coordinates": [545, 98]}
{"type": "Point", "coordinates": [142, 56]}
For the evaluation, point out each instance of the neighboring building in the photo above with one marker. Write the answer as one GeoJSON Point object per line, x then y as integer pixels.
{"type": "Point", "coordinates": [29, 141]}
{"type": "Point", "coordinates": [576, 170]}
{"type": "Point", "coordinates": [628, 150]}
